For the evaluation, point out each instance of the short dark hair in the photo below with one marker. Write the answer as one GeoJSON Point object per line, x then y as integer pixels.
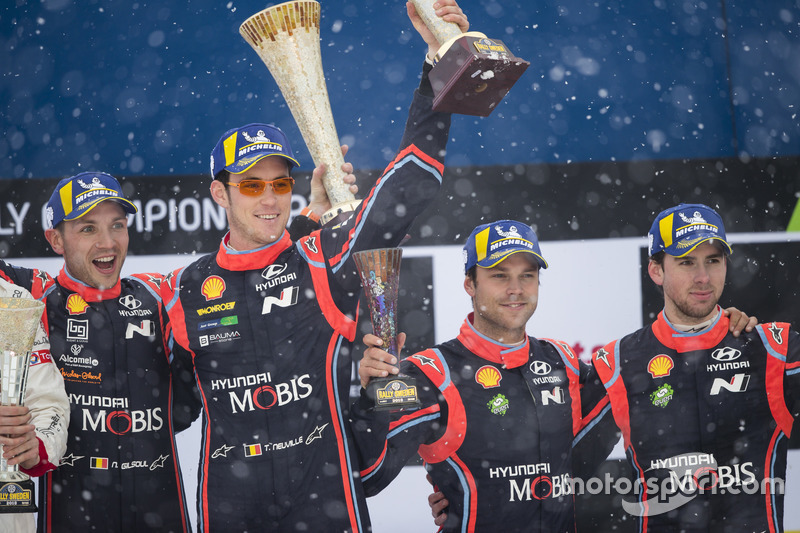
{"type": "Point", "coordinates": [471, 273]}
{"type": "Point", "coordinates": [658, 257]}
{"type": "Point", "coordinates": [224, 176]}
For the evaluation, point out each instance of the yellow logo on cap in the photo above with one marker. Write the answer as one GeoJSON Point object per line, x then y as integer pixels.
{"type": "Point", "coordinates": [481, 244]}
{"type": "Point", "coordinates": [229, 145]}
{"type": "Point", "coordinates": [665, 228]}
{"type": "Point", "coordinates": [690, 243]}
{"type": "Point", "coordinates": [66, 197]}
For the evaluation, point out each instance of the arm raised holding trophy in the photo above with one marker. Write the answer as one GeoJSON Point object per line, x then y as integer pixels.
{"type": "Point", "coordinates": [278, 450]}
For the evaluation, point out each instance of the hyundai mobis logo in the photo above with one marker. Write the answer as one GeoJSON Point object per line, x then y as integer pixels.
{"type": "Point", "coordinates": [104, 414]}
{"type": "Point", "coordinates": [259, 391]}
{"type": "Point", "coordinates": [674, 481]}
{"type": "Point", "coordinates": [527, 482]}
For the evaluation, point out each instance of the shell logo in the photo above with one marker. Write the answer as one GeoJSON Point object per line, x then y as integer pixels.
{"type": "Point", "coordinates": [488, 377]}
{"type": "Point", "coordinates": [213, 287]}
{"type": "Point", "coordinates": [76, 305]}
{"type": "Point", "coordinates": [660, 366]}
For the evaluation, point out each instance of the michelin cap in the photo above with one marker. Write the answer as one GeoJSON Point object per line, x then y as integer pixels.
{"type": "Point", "coordinates": [76, 196]}
{"type": "Point", "coordinates": [489, 244]}
{"type": "Point", "coordinates": [680, 229]}
{"type": "Point", "coordinates": [241, 148]}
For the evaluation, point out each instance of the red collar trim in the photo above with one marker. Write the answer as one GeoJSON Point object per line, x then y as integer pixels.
{"type": "Point", "coordinates": [89, 294]}
{"type": "Point", "coordinates": [686, 342]}
{"type": "Point", "coordinates": [230, 259]}
{"type": "Point", "coordinates": [490, 349]}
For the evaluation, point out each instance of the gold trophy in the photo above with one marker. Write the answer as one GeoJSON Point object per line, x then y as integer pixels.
{"type": "Point", "coordinates": [471, 72]}
{"type": "Point", "coordinates": [379, 271]}
{"type": "Point", "coordinates": [286, 38]}
{"type": "Point", "coordinates": [19, 318]}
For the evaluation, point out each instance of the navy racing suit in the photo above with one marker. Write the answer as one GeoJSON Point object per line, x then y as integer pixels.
{"type": "Point", "coordinates": [705, 419]}
{"type": "Point", "coordinates": [268, 333]}
{"type": "Point", "coordinates": [120, 471]}
{"type": "Point", "coordinates": [495, 429]}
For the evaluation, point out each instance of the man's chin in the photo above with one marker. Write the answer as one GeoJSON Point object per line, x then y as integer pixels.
{"type": "Point", "coordinates": [105, 282]}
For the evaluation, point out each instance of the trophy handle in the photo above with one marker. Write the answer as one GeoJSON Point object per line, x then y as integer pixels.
{"type": "Point", "coordinates": [286, 38]}
{"type": "Point", "coordinates": [446, 33]}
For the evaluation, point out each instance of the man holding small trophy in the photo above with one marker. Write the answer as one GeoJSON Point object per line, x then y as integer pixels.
{"type": "Point", "coordinates": [499, 409]}
{"type": "Point", "coordinates": [267, 323]}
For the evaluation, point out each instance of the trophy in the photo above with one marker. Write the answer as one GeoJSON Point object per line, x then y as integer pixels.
{"type": "Point", "coordinates": [19, 318]}
{"type": "Point", "coordinates": [286, 38]}
{"type": "Point", "coordinates": [471, 72]}
{"type": "Point", "coordinates": [380, 276]}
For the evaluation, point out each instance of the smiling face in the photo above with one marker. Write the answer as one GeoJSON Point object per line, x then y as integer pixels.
{"type": "Point", "coordinates": [504, 297]}
{"type": "Point", "coordinates": [255, 221]}
{"type": "Point", "coordinates": [692, 284]}
{"type": "Point", "coordinates": [94, 246]}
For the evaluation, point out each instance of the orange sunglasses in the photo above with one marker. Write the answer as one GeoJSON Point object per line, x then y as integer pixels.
{"type": "Point", "coordinates": [253, 187]}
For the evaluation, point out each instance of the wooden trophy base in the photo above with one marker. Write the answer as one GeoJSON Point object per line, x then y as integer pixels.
{"type": "Point", "coordinates": [474, 75]}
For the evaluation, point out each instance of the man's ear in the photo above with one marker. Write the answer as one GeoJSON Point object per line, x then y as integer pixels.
{"type": "Point", "coordinates": [469, 286]}
{"type": "Point", "coordinates": [656, 271]}
{"type": "Point", "coordinates": [55, 239]}
{"type": "Point", "coordinates": [219, 193]}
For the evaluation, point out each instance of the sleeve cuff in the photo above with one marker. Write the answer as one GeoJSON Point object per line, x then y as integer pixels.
{"type": "Point", "coordinates": [303, 225]}
{"type": "Point", "coordinates": [44, 463]}
{"type": "Point", "coordinates": [425, 86]}
{"type": "Point", "coordinates": [308, 213]}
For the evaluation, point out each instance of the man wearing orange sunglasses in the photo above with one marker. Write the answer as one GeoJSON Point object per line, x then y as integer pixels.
{"type": "Point", "coordinates": [267, 324]}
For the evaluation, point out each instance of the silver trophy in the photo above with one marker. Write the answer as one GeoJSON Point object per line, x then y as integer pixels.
{"type": "Point", "coordinates": [19, 318]}
{"type": "Point", "coordinates": [286, 38]}
{"type": "Point", "coordinates": [379, 271]}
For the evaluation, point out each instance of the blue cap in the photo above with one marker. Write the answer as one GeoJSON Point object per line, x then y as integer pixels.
{"type": "Point", "coordinates": [76, 196]}
{"type": "Point", "coordinates": [241, 148]}
{"type": "Point", "coordinates": [489, 244]}
{"type": "Point", "coordinates": [680, 229]}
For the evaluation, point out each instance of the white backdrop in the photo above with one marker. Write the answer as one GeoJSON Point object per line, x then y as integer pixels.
{"type": "Point", "coordinates": [583, 281]}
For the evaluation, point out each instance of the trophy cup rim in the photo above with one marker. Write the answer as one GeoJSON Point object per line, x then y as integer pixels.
{"type": "Point", "coordinates": [274, 8]}
{"type": "Point", "coordinates": [20, 304]}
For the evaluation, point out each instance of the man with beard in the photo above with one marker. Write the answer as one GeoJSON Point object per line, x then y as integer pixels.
{"type": "Point", "coordinates": [705, 416]}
